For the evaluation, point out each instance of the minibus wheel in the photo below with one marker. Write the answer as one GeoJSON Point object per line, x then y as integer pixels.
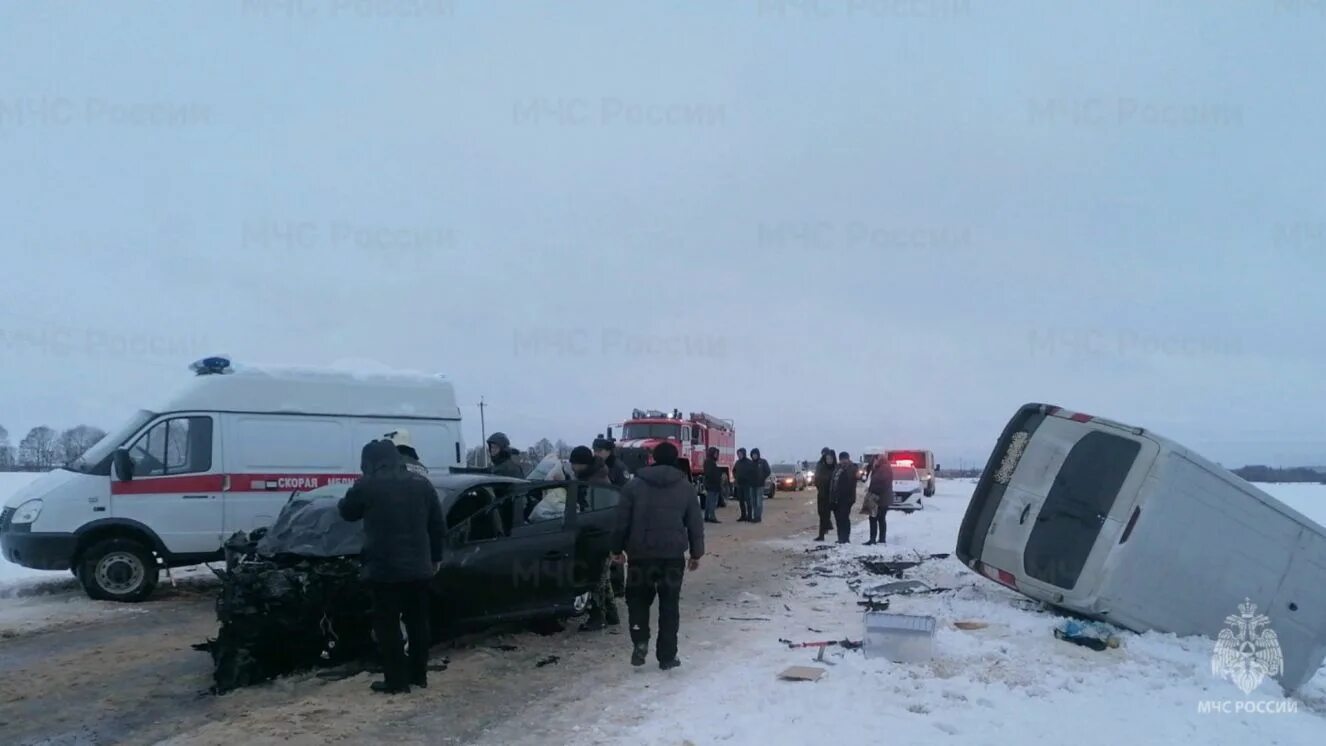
{"type": "Point", "coordinates": [118, 570]}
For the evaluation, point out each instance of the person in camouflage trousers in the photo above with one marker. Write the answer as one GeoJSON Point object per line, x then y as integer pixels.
{"type": "Point", "coordinates": [602, 608]}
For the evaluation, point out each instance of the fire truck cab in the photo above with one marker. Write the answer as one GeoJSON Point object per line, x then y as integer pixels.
{"type": "Point", "coordinates": [693, 434]}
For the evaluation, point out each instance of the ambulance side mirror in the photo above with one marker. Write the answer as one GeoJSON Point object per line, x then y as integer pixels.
{"type": "Point", "coordinates": [124, 466]}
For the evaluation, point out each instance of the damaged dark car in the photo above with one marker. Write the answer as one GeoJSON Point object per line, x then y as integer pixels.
{"type": "Point", "coordinates": [293, 599]}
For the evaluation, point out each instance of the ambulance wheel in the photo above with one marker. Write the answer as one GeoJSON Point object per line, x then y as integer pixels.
{"type": "Point", "coordinates": [118, 570]}
{"type": "Point", "coordinates": [929, 489]}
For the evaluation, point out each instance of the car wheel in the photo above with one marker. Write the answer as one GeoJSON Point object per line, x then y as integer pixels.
{"type": "Point", "coordinates": [118, 570]}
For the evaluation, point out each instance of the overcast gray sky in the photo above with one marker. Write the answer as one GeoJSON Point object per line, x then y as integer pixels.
{"type": "Point", "coordinates": [839, 222]}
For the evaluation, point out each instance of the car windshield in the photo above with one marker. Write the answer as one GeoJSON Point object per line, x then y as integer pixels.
{"type": "Point", "coordinates": [904, 473]}
{"type": "Point", "coordinates": [642, 430]}
{"type": "Point", "coordinates": [785, 469]}
{"type": "Point", "coordinates": [326, 492]}
{"type": "Point", "coordinates": [93, 456]}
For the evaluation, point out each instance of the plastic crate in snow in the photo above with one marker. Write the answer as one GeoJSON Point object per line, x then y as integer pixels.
{"type": "Point", "coordinates": [900, 638]}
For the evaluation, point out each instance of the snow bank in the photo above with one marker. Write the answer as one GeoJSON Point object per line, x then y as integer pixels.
{"type": "Point", "coordinates": [1010, 682]}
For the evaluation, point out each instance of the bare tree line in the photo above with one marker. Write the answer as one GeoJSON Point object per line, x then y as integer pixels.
{"type": "Point", "coordinates": [43, 448]}
{"type": "Point", "coordinates": [528, 458]}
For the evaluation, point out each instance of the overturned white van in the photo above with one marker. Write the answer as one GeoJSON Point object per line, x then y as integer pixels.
{"type": "Point", "coordinates": [1117, 523]}
{"type": "Point", "coordinates": [221, 455]}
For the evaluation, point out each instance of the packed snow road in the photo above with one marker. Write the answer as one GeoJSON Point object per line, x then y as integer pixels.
{"type": "Point", "coordinates": [129, 675]}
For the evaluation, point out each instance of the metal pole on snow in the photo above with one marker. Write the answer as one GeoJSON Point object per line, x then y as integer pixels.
{"type": "Point", "coordinates": [483, 432]}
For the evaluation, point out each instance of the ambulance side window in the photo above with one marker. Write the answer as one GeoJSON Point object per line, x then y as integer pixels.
{"type": "Point", "coordinates": [182, 445]}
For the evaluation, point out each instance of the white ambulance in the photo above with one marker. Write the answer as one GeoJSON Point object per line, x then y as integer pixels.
{"type": "Point", "coordinates": [222, 455]}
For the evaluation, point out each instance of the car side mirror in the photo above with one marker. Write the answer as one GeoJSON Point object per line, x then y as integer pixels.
{"type": "Point", "coordinates": [124, 466]}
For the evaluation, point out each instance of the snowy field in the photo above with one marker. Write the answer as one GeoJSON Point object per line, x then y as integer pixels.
{"type": "Point", "coordinates": [999, 684]}
{"type": "Point", "coordinates": [995, 685]}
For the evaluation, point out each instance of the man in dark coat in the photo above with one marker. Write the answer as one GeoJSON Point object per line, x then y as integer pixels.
{"type": "Point", "coordinates": [499, 450]}
{"type": "Point", "coordinates": [842, 491]}
{"type": "Point", "coordinates": [658, 520]}
{"type": "Point", "coordinates": [823, 502]}
{"type": "Point", "coordinates": [588, 467]}
{"type": "Point", "coordinates": [713, 485]}
{"type": "Point", "coordinates": [405, 447]}
{"type": "Point", "coordinates": [607, 450]}
{"type": "Point", "coordinates": [402, 550]}
{"type": "Point", "coordinates": [747, 476]}
{"type": "Point", "coordinates": [763, 470]}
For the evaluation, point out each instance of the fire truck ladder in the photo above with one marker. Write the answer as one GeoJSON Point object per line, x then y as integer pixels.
{"type": "Point", "coordinates": [711, 421]}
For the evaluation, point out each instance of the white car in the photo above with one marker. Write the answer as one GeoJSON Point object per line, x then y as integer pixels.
{"type": "Point", "coordinates": [907, 489]}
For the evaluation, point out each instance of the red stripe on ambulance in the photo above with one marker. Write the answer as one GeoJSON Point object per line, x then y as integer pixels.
{"type": "Point", "coordinates": [204, 483]}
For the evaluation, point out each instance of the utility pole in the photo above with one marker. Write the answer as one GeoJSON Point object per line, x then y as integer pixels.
{"type": "Point", "coordinates": [483, 431]}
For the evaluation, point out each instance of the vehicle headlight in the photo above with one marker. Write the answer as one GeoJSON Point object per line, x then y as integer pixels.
{"type": "Point", "coordinates": [27, 512]}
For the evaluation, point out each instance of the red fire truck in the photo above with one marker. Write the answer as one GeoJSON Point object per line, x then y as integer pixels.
{"type": "Point", "coordinates": [692, 434]}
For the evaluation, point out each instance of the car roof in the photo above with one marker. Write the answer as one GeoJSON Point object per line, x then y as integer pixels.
{"type": "Point", "coordinates": [457, 482]}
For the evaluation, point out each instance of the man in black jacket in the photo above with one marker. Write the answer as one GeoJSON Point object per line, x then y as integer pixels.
{"type": "Point", "coordinates": [747, 476]}
{"type": "Point", "coordinates": [713, 485]}
{"type": "Point", "coordinates": [657, 521]}
{"type": "Point", "coordinates": [405, 447]}
{"type": "Point", "coordinates": [842, 491]}
{"type": "Point", "coordinates": [402, 550]}
{"type": "Point", "coordinates": [499, 450]}
{"type": "Point", "coordinates": [587, 467]}
{"type": "Point", "coordinates": [823, 502]}
{"type": "Point", "coordinates": [762, 470]}
{"type": "Point", "coordinates": [606, 450]}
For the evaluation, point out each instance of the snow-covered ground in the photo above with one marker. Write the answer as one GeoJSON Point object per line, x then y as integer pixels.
{"type": "Point", "coordinates": [33, 600]}
{"type": "Point", "coordinates": [1010, 682]}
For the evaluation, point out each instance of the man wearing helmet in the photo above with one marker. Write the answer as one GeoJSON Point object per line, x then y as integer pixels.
{"type": "Point", "coordinates": [405, 447]}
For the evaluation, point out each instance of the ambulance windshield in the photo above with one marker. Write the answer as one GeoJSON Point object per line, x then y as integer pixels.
{"type": "Point", "coordinates": [95, 459]}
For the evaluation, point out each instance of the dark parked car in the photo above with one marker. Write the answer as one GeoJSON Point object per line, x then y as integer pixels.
{"type": "Point", "coordinates": [789, 477]}
{"type": "Point", "coordinates": [514, 550]}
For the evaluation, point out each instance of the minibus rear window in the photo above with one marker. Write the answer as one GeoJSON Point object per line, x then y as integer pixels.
{"type": "Point", "coordinates": [1070, 519]}
{"type": "Point", "coordinates": [994, 480]}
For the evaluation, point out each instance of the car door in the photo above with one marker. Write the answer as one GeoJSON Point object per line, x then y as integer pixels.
{"type": "Point", "coordinates": [511, 558]}
{"type": "Point", "coordinates": [543, 565]}
{"type": "Point", "coordinates": [176, 486]}
{"type": "Point", "coordinates": [470, 583]}
{"type": "Point", "coordinates": [594, 523]}
{"type": "Point", "coordinates": [1074, 512]}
